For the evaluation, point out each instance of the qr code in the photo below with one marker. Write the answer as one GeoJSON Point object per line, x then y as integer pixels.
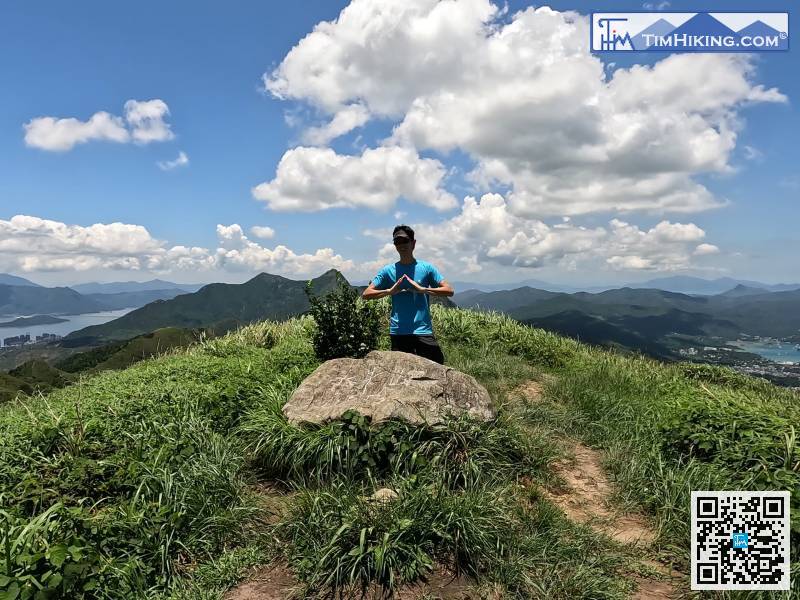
{"type": "Point", "coordinates": [740, 540]}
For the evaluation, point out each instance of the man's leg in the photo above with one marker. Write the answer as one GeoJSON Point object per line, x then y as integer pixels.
{"type": "Point", "coordinates": [428, 347]}
{"type": "Point", "coordinates": [403, 343]}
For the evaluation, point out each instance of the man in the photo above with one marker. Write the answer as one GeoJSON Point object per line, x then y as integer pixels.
{"type": "Point", "coordinates": [409, 282]}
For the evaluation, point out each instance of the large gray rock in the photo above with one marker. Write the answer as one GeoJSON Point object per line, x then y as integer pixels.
{"type": "Point", "coordinates": [388, 385]}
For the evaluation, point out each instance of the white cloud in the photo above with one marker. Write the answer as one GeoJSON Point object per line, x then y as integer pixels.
{"type": "Point", "coordinates": [236, 252]}
{"type": "Point", "coordinates": [60, 135]}
{"type": "Point", "coordinates": [145, 119]}
{"type": "Point", "coordinates": [343, 122]}
{"type": "Point", "coordinates": [168, 165]}
{"type": "Point", "coordinates": [310, 179]}
{"type": "Point", "coordinates": [30, 244]}
{"type": "Point", "coordinates": [264, 233]}
{"type": "Point", "coordinates": [487, 233]}
{"type": "Point", "coordinates": [752, 153]}
{"type": "Point", "coordinates": [528, 102]}
{"type": "Point", "coordinates": [703, 249]}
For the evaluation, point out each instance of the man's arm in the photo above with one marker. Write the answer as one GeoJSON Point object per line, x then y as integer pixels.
{"type": "Point", "coordinates": [373, 293]}
{"type": "Point", "coordinates": [444, 289]}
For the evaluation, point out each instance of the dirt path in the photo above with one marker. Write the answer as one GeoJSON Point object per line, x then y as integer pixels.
{"type": "Point", "coordinates": [585, 499]}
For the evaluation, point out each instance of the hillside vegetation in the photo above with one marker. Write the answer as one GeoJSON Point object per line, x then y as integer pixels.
{"type": "Point", "coordinates": [171, 478]}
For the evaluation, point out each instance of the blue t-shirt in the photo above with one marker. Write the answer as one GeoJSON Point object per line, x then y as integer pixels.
{"type": "Point", "coordinates": [411, 313]}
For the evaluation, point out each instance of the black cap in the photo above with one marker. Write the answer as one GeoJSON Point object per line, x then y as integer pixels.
{"type": "Point", "coordinates": [403, 231]}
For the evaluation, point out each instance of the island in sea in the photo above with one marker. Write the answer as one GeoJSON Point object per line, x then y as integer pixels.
{"type": "Point", "coordinates": [35, 320]}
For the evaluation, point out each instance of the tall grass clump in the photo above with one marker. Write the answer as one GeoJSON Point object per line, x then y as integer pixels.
{"type": "Point", "coordinates": [461, 449]}
{"type": "Point", "coordinates": [341, 542]}
{"type": "Point", "coordinates": [471, 328]}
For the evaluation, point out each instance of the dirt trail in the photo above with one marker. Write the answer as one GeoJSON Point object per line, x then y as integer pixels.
{"type": "Point", "coordinates": [585, 499]}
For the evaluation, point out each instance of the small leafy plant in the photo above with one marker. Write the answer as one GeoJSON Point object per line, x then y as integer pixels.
{"type": "Point", "coordinates": [347, 326]}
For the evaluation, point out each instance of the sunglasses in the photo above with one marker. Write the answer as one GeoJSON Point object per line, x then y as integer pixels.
{"type": "Point", "coordinates": [401, 241]}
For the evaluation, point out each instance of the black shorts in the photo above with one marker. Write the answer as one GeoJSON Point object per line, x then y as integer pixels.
{"type": "Point", "coordinates": [421, 345]}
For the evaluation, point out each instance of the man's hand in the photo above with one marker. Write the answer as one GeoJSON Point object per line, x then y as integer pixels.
{"type": "Point", "coordinates": [396, 287]}
{"type": "Point", "coordinates": [415, 285]}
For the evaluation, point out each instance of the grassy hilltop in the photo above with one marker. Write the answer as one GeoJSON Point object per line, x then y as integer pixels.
{"type": "Point", "coordinates": [169, 479]}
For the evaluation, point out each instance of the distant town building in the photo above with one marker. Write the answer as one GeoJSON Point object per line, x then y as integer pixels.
{"type": "Point", "coordinates": [47, 337]}
{"type": "Point", "coordinates": [17, 340]}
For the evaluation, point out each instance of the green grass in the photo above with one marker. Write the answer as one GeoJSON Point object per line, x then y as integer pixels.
{"type": "Point", "coordinates": [139, 483]}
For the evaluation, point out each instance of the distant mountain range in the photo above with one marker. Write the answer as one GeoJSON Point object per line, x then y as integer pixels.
{"type": "Point", "coordinates": [6, 279]}
{"type": "Point", "coordinates": [681, 283]}
{"type": "Point", "coordinates": [218, 305]}
{"type": "Point", "coordinates": [134, 286]}
{"type": "Point", "coordinates": [38, 300]}
{"type": "Point", "coordinates": [642, 318]}
{"type": "Point", "coordinates": [30, 300]}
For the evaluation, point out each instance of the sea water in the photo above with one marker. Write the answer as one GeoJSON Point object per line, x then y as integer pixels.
{"type": "Point", "coordinates": [776, 350]}
{"type": "Point", "coordinates": [73, 323]}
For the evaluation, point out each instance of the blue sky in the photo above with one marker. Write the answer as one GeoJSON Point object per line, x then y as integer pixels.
{"type": "Point", "coordinates": [206, 61]}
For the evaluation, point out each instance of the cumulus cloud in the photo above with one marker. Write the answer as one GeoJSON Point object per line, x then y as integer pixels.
{"type": "Point", "coordinates": [144, 118]}
{"type": "Point", "coordinates": [168, 165]}
{"type": "Point", "coordinates": [29, 244]}
{"type": "Point", "coordinates": [32, 244]}
{"type": "Point", "coordinates": [343, 122]}
{"type": "Point", "coordinates": [264, 233]}
{"type": "Point", "coordinates": [525, 98]}
{"type": "Point", "coordinates": [236, 252]}
{"type": "Point", "coordinates": [60, 135]}
{"type": "Point", "coordinates": [486, 232]}
{"type": "Point", "coordinates": [703, 249]}
{"type": "Point", "coordinates": [310, 179]}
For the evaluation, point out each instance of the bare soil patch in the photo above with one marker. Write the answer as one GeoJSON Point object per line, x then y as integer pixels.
{"type": "Point", "coordinates": [274, 582]}
{"type": "Point", "coordinates": [277, 582]}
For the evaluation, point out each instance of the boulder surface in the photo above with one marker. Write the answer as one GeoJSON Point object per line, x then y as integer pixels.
{"type": "Point", "coordinates": [388, 385]}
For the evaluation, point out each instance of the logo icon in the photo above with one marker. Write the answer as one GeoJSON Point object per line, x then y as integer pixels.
{"type": "Point", "coordinates": [609, 38]}
{"type": "Point", "coordinates": [739, 540]}
{"type": "Point", "coordinates": [689, 32]}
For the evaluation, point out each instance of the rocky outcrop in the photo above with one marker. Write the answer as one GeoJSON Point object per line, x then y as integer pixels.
{"type": "Point", "coordinates": [388, 385]}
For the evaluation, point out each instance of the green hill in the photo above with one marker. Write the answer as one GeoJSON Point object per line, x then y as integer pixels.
{"type": "Point", "coordinates": [34, 320]}
{"type": "Point", "coordinates": [174, 477]}
{"type": "Point", "coordinates": [118, 300]}
{"type": "Point", "coordinates": [32, 376]}
{"type": "Point", "coordinates": [222, 305]}
{"type": "Point", "coordinates": [28, 300]}
{"type": "Point", "coordinates": [119, 355]}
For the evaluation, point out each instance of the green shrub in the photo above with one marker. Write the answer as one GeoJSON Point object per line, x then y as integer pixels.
{"type": "Point", "coordinates": [347, 326]}
{"type": "Point", "coordinates": [46, 556]}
